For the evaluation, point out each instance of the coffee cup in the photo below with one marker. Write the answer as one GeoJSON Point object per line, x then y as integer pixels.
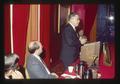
{"type": "Point", "coordinates": [70, 69]}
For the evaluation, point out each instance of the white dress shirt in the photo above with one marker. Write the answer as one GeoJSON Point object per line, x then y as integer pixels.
{"type": "Point", "coordinates": [72, 26]}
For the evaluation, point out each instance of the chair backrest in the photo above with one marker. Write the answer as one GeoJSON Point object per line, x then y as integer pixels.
{"type": "Point", "coordinates": [90, 53]}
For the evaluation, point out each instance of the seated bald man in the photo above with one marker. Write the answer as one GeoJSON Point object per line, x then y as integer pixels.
{"type": "Point", "coordinates": [36, 67]}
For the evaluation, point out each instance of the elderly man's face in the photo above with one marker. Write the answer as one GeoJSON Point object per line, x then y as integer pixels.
{"type": "Point", "coordinates": [75, 20]}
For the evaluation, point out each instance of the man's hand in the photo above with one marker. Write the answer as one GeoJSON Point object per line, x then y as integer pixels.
{"type": "Point", "coordinates": [83, 40]}
{"type": "Point", "coordinates": [54, 74]}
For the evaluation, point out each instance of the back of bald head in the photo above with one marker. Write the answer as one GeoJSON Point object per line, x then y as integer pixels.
{"type": "Point", "coordinates": [33, 46]}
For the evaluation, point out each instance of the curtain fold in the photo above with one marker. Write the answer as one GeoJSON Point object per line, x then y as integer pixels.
{"type": "Point", "coordinates": [20, 23]}
{"type": "Point", "coordinates": [90, 14]}
{"type": "Point", "coordinates": [32, 30]}
{"type": "Point", "coordinates": [45, 31]}
{"type": "Point", "coordinates": [93, 31]}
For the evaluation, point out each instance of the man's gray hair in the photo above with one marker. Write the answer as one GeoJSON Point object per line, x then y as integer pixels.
{"type": "Point", "coordinates": [72, 14]}
{"type": "Point", "coordinates": [11, 60]}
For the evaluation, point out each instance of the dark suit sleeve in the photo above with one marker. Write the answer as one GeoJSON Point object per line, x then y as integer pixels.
{"type": "Point", "coordinates": [71, 37]}
{"type": "Point", "coordinates": [38, 70]}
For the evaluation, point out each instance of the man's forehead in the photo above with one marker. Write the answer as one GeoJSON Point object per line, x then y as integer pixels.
{"type": "Point", "coordinates": [76, 16]}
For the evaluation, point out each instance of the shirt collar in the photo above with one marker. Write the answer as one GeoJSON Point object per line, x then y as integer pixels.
{"type": "Point", "coordinates": [72, 26]}
{"type": "Point", "coordinates": [37, 56]}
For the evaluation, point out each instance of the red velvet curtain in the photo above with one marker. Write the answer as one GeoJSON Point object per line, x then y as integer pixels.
{"type": "Point", "coordinates": [48, 34]}
{"type": "Point", "coordinates": [20, 22]}
{"type": "Point", "coordinates": [90, 13]}
{"type": "Point", "coordinates": [55, 40]}
{"type": "Point", "coordinates": [45, 30]}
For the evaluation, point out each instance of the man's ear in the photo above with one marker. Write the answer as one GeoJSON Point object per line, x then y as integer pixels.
{"type": "Point", "coordinates": [42, 55]}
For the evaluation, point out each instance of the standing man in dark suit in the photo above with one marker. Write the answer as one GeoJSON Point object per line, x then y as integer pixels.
{"type": "Point", "coordinates": [36, 67]}
{"type": "Point", "coordinates": [70, 42]}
